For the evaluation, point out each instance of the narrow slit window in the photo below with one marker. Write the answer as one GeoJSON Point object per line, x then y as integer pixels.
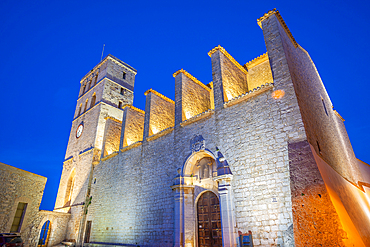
{"type": "Point", "coordinates": [93, 100]}
{"type": "Point", "coordinates": [124, 75]}
{"type": "Point", "coordinates": [88, 86]}
{"type": "Point", "coordinates": [120, 105]}
{"type": "Point", "coordinates": [79, 110]}
{"type": "Point", "coordinates": [323, 103]}
{"type": "Point", "coordinates": [83, 89]}
{"type": "Point", "coordinates": [318, 146]}
{"type": "Point", "coordinates": [96, 79]}
{"type": "Point", "coordinates": [87, 100]}
{"type": "Point", "coordinates": [122, 91]}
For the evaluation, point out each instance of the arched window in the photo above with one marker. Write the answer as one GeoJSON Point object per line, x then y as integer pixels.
{"type": "Point", "coordinates": [96, 78]}
{"type": "Point", "coordinates": [69, 189]}
{"type": "Point", "coordinates": [93, 100]}
{"type": "Point", "coordinates": [89, 85]}
{"type": "Point", "coordinates": [86, 104]}
{"type": "Point", "coordinates": [79, 110]}
{"type": "Point", "coordinates": [83, 90]}
{"type": "Point", "coordinates": [44, 234]}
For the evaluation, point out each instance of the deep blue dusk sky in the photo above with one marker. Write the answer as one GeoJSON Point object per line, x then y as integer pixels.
{"type": "Point", "coordinates": [48, 46]}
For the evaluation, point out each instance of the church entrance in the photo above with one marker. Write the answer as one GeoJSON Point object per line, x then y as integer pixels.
{"type": "Point", "coordinates": [209, 221]}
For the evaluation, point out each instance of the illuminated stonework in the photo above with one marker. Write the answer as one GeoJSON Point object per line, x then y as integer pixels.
{"type": "Point", "coordinates": [261, 138]}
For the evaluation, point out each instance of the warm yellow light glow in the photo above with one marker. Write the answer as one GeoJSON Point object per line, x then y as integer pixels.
{"type": "Point", "coordinates": [188, 115]}
{"type": "Point", "coordinates": [129, 142]}
{"type": "Point", "coordinates": [229, 96]}
{"type": "Point", "coordinates": [278, 94]}
{"type": "Point", "coordinates": [109, 152]}
{"type": "Point", "coordinates": [154, 130]}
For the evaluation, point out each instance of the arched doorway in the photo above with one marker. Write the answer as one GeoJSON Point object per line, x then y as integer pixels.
{"type": "Point", "coordinates": [44, 234]}
{"type": "Point", "coordinates": [209, 221]}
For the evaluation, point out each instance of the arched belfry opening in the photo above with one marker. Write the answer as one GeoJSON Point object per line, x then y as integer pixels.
{"type": "Point", "coordinates": [202, 192]}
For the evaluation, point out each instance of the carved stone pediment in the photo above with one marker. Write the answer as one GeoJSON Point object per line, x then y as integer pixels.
{"type": "Point", "coordinates": [197, 143]}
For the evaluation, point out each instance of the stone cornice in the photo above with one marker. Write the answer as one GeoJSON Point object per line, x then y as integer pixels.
{"type": "Point", "coordinates": [338, 115]}
{"type": "Point", "coordinates": [160, 133]}
{"type": "Point", "coordinates": [110, 156]}
{"type": "Point", "coordinates": [159, 95]}
{"type": "Point", "coordinates": [133, 145]}
{"type": "Point", "coordinates": [111, 58]}
{"type": "Point", "coordinates": [134, 108]}
{"type": "Point", "coordinates": [223, 51]}
{"type": "Point", "coordinates": [258, 60]}
{"type": "Point", "coordinates": [197, 117]}
{"type": "Point", "coordinates": [191, 78]}
{"type": "Point", "coordinates": [282, 22]}
{"type": "Point", "coordinates": [21, 172]}
{"type": "Point", "coordinates": [114, 119]}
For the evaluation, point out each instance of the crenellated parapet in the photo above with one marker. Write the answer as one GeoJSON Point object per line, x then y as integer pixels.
{"type": "Point", "coordinates": [132, 126]}
{"type": "Point", "coordinates": [232, 83]}
{"type": "Point", "coordinates": [112, 136]}
{"type": "Point", "coordinates": [159, 113]}
{"type": "Point", "coordinates": [229, 77]}
{"type": "Point", "coordinates": [282, 22]}
{"type": "Point", "coordinates": [259, 72]}
{"type": "Point", "coordinates": [192, 96]}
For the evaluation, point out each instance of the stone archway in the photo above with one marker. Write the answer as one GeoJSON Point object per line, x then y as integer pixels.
{"type": "Point", "coordinates": [202, 172]}
{"type": "Point", "coordinates": [44, 234]}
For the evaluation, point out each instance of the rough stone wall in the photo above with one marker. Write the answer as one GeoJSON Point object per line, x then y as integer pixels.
{"type": "Point", "coordinates": [159, 114]}
{"type": "Point", "coordinates": [101, 69]}
{"type": "Point", "coordinates": [132, 198]}
{"type": "Point", "coordinates": [315, 220]}
{"type": "Point", "coordinates": [321, 125]}
{"type": "Point", "coordinates": [58, 224]}
{"type": "Point", "coordinates": [234, 81]}
{"type": "Point", "coordinates": [112, 94]}
{"type": "Point", "coordinates": [191, 98]}
{"type": "Point", "coordinates": [259, 75]}
{"type": "Point", "coordinates": [20, 186]}
{"type": "Point", "coordinates": [112, 136]}
{"type": "Point", "coordinates": [132, 126]}
{"type": "Point", "coordinates": [87, 139]}
{"type": "Point", "coordinates": [260, 134]}
{"type": "Point", "coordinates": [116, 69]}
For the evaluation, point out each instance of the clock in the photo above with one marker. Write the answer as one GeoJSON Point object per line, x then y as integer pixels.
{"type": "Point", "coordinates": [79, 130]}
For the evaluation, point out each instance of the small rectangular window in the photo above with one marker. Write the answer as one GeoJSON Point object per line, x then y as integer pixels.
{"type": "Point", "coordinates": [18, 218]}
{"type": "Point", "coordinates": [122, 91]}
{"type": "Point", "coordinates": [124, 75]}
{"type": "Point", "coordinates": [120, 105]}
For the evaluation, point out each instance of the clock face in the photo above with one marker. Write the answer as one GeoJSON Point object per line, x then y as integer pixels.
{"type": "Point", "coordinates": [79, 130]}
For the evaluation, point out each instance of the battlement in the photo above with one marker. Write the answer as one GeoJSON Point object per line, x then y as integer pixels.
{"type": "Point", "coordinates": [232, 84]}
{"type": "Point", "coordinates": [282, 22]}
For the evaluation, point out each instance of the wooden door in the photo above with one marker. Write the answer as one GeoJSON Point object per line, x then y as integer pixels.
{"type": "Point", "coordinates": [87, 232]}
{"type": "Point", "coordinates": [209, 221]}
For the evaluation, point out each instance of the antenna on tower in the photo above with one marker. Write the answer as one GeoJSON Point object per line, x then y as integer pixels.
{"type": "Point", "coordinates": [102, 53]}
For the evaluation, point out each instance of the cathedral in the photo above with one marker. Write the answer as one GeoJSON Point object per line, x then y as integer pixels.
{"type": "Point", "coordinates": [257, 157]}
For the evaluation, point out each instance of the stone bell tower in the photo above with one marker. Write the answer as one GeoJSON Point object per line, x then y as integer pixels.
{"type": "Point", "coordinates": [103, 92]}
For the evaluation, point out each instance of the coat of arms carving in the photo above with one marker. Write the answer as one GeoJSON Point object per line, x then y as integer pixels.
{"type": "Point", "coordinates": [197, 143]}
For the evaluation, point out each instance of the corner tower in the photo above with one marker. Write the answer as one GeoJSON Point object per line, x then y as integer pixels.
{"type": "Point", "coordinates": [103, 93]}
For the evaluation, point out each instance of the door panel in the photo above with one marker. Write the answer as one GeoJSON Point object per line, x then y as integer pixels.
{"type": "Point", "coordinates": [209, 221]}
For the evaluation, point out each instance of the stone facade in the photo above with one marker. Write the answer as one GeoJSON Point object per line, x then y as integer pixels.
{"type": "Point", "coordinates": [19, 186]}
{"type": "Point", "coordinates": [262, 137]}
